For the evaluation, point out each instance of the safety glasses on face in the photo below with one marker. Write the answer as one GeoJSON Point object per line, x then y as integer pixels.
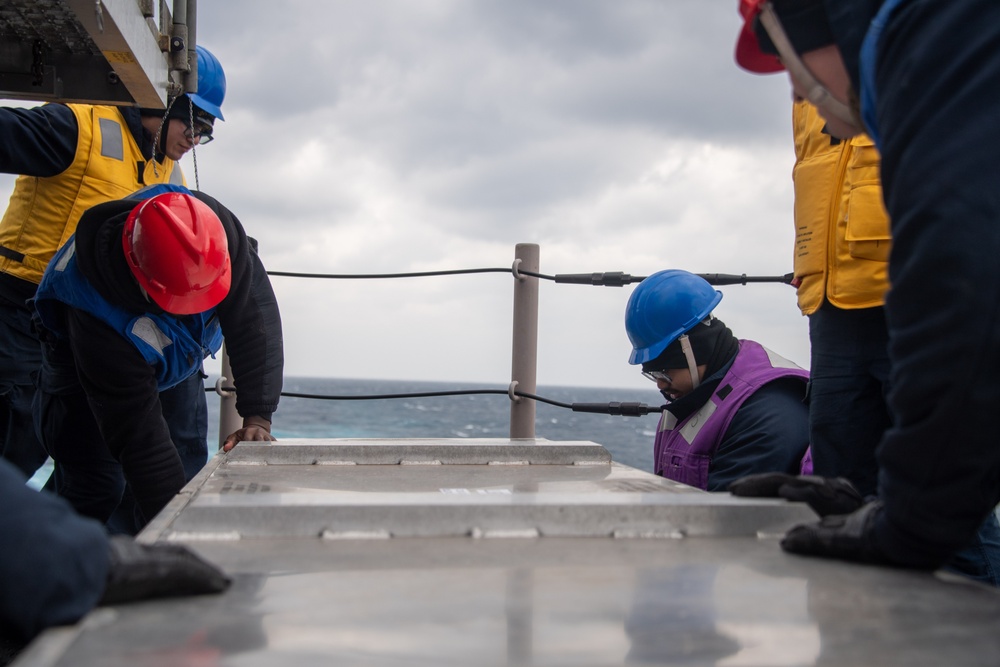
{"type": "Point", "coordinates": [816, 92]}
{"type": "Point", "coordinates": [657, 376]}
{"type": "Point", "coordinates": [202, 133]}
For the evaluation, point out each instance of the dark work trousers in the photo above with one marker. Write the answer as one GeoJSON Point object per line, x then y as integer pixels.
{"type": "Point", "coordinates": [938, 101]}
{"type": "Point", "coordinates": [848, 413]}
{"type": "Point", "coordinates": [185, 410]}
{"type": "Point", "coordinates": [86, 473]}
{"type": "Point", "coordinates": [20, 359]}
{"type": "Point", "coordinates": [848, 382]}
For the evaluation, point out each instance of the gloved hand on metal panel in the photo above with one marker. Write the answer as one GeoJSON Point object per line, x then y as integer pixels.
{"type": "Point", "coordinates": [825, 495]}
{"type": "Point", "coordinates": [141, 571]}
{"type": "Point", "coordinates": [843, 536]}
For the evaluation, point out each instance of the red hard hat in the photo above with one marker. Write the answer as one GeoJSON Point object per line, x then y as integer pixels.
{"type": "Point", "coordinates": [748, 53]}
{"type": "Point", "coordinates": [177, 249]}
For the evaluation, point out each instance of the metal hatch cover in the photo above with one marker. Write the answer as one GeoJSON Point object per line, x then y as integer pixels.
{"type": "Point", "coordinates": [728, 597]}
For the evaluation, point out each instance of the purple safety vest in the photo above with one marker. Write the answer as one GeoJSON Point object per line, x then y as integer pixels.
{"type": "Point", "coordinates": [683, 451]}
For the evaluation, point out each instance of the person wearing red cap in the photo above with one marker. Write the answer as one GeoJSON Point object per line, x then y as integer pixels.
{"type": "Point", "coordinates": [130, 307]}
{"type": "Point", "coordinates": [924, 75]}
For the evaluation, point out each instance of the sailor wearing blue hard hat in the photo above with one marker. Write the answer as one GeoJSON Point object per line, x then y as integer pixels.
{"type": "Point", "coordinates": [195, 113]}
{"type": "Point", "coordinates": [734, 407]}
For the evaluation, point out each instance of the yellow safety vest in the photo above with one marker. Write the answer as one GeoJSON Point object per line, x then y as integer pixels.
{"type": "Point", "coordinates": [842, 235]}
{"type": "Point", "coordinates": [43, 212]}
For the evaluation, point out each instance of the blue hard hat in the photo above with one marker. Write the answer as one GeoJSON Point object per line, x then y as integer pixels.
{"type": "Point", "coordinates": [664, 306]}
{"type": "Point", "coordinates": [211, 83]}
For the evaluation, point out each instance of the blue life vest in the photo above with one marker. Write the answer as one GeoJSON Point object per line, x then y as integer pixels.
{"type": "Point", "coordinates": [174, 345]}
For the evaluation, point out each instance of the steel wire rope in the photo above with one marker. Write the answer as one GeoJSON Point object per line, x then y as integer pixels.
{"type": "Point", "coordinates": [606, 279]}
{"type": "Point", "coordinates": [628, 409]}
{"type": "Point", "coordinates": [609, 279]}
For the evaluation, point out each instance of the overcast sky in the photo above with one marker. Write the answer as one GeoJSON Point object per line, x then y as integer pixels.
{"type": "Point", "coordinates": [411, 135]}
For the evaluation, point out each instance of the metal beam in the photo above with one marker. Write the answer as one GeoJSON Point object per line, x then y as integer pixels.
{"type": "Point", "coordinates": [104, 52]}
{"type": "Point", "coordinates": [123, 36]}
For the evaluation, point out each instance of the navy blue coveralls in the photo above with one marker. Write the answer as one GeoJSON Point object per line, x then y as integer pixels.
{"type": "Point", "coordinates": [937, 85]}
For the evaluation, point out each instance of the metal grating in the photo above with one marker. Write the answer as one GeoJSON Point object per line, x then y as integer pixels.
{"type": "Point", "coordinates": [48, 21]}
{"type": "Point", "coordinates": [105, 52]}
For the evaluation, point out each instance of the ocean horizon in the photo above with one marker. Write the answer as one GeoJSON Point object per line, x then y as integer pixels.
{"type": "Point", "coordinates": [628, 439]}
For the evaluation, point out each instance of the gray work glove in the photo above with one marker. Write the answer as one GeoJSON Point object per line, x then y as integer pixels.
{"type": "Point", "coordinates": [825, 495]}
{"type": "Point", "coordinates": [141, 571]}
{"type": "Point", "coordinates": [842, 536]}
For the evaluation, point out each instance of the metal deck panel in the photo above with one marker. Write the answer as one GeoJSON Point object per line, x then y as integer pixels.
{"type": "Point", "coordinates": [558, 601]}
{"type": "Point", "coordinates": [713, 588]}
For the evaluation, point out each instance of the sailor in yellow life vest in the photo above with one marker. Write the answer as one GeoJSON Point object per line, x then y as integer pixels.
{"type": "Point", "coordinates": [842, 242]}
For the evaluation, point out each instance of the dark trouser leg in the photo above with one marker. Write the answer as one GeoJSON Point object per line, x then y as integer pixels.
{"type": "Point", "coordinates": [85, 472]}
{"type": "Point", "coordinates": [185, 410]}
{"type": "Point", "coordinates": [20, 359]}
{"type": "Point", "coordinates": [847, 385]}
{"type": "Point", "coordinates": [981, 559]}
{"type": "Point", "coordinates": [939, 98]}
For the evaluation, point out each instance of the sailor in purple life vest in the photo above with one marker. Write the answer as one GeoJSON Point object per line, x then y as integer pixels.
{"type": "Point", "coordinates": [734, 407]}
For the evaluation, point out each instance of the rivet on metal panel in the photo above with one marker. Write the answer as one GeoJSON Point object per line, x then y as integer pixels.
{"type": "Point", "coordinates": [221, 536]}
{"type": "Point", "coordinates": [355, 534]}
{"type": "Point", "coordinates": [626, 534]}
{"type": "Point", "coordinates": [491, 533]}
{"type": "Point", "coordinates": [514, 533]}
{"type": "Point", "coordinates": [770, 534]}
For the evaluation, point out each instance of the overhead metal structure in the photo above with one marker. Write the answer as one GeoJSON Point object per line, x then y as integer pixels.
{"type": "Point", "coordinates": [95, 51]}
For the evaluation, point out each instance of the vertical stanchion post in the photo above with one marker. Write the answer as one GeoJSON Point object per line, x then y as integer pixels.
{"type": "Point", "coordinates": [229, 419]}
{"type": "Point", "coordinates": [525, 340]}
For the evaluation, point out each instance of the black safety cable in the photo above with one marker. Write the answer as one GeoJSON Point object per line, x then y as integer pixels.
{"type": "Point", "coordinates": [629, 409]}
{"type": "Point", "coordinates": [415, 274]}
{"type": "Point", "coordinates": [606, 279]}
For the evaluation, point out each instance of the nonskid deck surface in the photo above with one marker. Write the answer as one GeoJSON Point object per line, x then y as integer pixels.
{"type": "Point", "coordinates": [370, 552]}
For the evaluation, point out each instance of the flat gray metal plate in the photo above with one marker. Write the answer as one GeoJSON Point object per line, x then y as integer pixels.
{"type": "Point", "coordinates": [525, 564]}
{"type": "Point", "coordinates": [456, 488]}
{"type": "Point", "coordinates": [555, 601]}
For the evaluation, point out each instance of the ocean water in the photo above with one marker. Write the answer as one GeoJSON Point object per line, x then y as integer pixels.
{"type": "Point", "coordinates": [629, 439]}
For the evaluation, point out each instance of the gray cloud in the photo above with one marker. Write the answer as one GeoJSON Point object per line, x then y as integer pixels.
{"type": "Point", "coordinates": [397, 135]}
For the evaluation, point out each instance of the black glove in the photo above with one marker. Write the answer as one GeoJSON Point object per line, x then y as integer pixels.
{"type": "Point", "coordinates": [141, 571]}
{"type": "Point", "coordinates": [847, 537]}
{"type": "Point", "coordinates": [825, 495]}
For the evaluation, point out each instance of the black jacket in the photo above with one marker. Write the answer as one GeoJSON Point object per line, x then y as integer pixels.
{"type": "Point", "coordinates": [121, 386]}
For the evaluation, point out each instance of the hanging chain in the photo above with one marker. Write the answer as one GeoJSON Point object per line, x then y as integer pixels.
{"type": "Point", "coordinates": [195, 140]}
